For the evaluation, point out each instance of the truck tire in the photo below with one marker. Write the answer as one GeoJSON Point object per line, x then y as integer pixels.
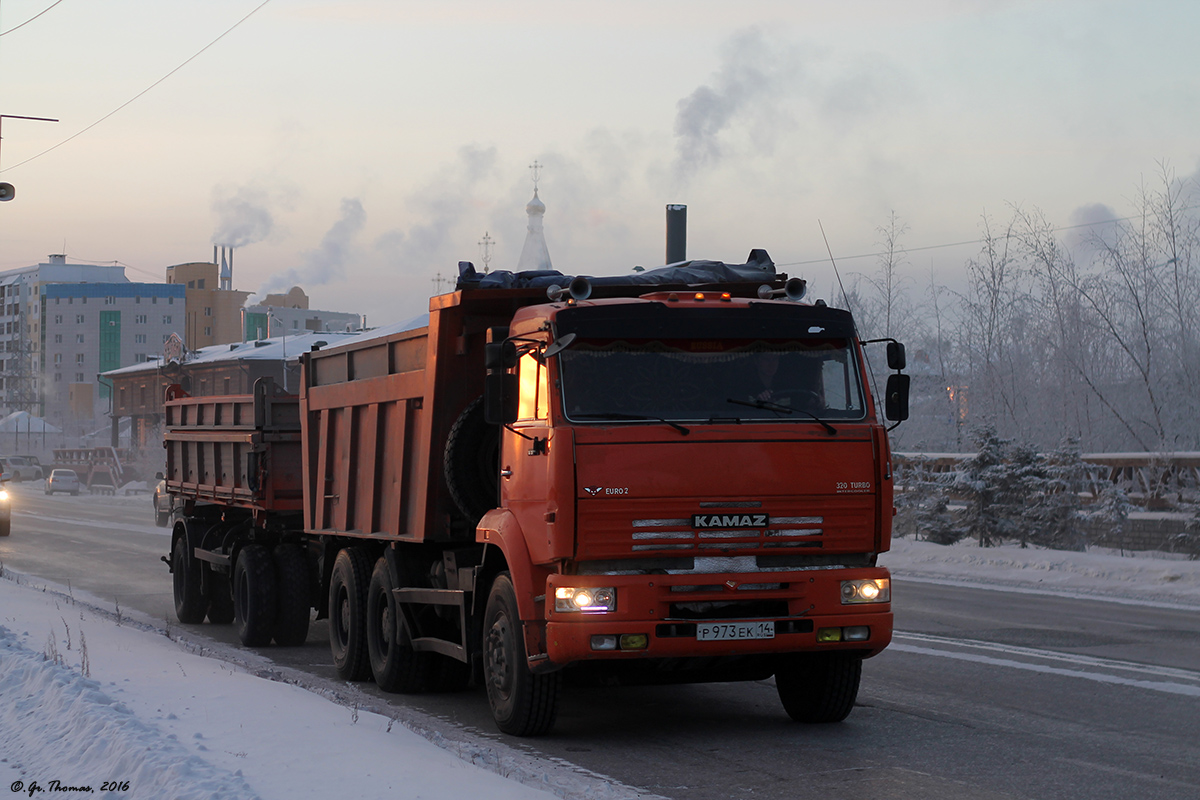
{"type": "Point", "coordinates": [523, 704]}
{"type": "Point", "coordinates": [161, 518]}
{"type": "Point", "coordinates": [348, 614]}
{"type": "Point", "coordinates": [6, 527]}
{"type": "Point", "coordinates": [190, 602]}
{"type": "Point", "coordinates": [472, 462]}
{"type": "Point", "coordinates": [394, 663]}
{"type": "Point", "coordinates": [254, 601]}
{"type": "Point", "coordinates": [294, 610]}
{"type": "Point", "coordinates": [819, 687]}
{"type": "Point", "coordinates": [220, 600]}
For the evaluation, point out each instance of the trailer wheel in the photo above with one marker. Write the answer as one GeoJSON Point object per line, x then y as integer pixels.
{"type": "Point", "coordinates": [295, 609]}
{"type": "Point", "coordinates": [254, 595]}
{"type": "Point", "coordinates": [394, 663]}
{"type": "Point", "coordinates": [347, 614]}
{"type": "Point", "coordinates": [472, 462]}
{"type": "Point", "coordinates": [220, 600]}
{"type": "Point", "coordinates": [190, 602]}
{"type": "Point", "coordinates": [819, 687]}
{"type": "Point", "coordinates": [523, 704]}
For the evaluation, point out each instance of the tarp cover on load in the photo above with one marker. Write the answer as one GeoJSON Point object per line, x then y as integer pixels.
{"type": "Point", "coordinates": [758, 267]}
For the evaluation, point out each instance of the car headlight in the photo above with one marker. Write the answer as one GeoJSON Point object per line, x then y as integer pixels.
{"type": "Point", "coordinates": [3, 495]}
{"type": "Point", "coordinates": [589, 598]}
{"type": "Point", "coordinates": [867, 590]}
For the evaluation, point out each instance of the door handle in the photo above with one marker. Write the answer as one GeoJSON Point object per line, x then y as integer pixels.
{"type": "Point", "coordinates": [506, 472]}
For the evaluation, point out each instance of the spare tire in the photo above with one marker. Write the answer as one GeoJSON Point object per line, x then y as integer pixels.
{"type": "Point", "coordinates": [472, 462]}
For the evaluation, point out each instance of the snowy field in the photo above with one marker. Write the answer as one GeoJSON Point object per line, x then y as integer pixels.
{"type": "Point", "coordinates": [88, 698]}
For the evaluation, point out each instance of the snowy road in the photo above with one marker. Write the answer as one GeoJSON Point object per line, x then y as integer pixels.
{"type": "Point", "coordinates": [1005, 680]}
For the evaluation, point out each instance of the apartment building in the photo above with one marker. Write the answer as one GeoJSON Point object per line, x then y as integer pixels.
{"type": "Point", "coordinates": [89, 328]}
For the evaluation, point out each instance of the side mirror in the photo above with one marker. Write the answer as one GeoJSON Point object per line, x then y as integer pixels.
{"type": "Point", "coordinates": [559, 344]}
{"type": "Point", "coordinates": [895, 356]}
{"type": "Point", "coordinates": [500, 355]}
{"type": "Point", "coordinates": [500, 394]}
{"type": "Point", "coordinates": [895, 401]}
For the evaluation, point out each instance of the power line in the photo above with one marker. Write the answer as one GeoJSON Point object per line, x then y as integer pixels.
{"type": "Point", "coordinates": [970, 241]}
{"type": "Point", "coordinates": [31, 19]}
{"type": "Point", "coordinates": [144, 91]}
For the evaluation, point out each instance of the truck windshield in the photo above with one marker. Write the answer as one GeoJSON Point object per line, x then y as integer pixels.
{"type": "Point", "coordinates": [699, 381]}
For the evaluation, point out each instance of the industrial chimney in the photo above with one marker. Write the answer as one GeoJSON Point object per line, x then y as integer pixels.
{"type": "Point", "coordinates": [676, 233]}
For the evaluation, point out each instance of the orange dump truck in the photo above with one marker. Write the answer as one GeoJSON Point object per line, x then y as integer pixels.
{"type": "Point", "coordinates": [681, 481]}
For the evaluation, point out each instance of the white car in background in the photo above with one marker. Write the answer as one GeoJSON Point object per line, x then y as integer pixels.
{"type": "Point", "coordinates": [62, 480]}
{"type": "Point", "coordinates": [18, 468]}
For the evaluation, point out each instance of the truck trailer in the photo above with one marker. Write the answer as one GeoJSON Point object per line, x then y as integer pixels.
{"type": "Point", "coordinates": [678, 477]}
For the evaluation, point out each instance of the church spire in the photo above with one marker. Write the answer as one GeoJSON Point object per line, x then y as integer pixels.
{"type": "Point", "coordinates": [534, 255]}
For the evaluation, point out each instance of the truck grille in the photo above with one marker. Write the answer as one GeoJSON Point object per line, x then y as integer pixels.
{"type": "Point", "coordinates": [665, 534]}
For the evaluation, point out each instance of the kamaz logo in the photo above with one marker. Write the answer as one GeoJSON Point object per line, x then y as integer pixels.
{"type": "Point", "coordinates": [730, 520]}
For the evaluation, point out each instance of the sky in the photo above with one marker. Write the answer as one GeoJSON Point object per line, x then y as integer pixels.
{"type": "Point", "coordinates": [88, 696]}
{"type": "Point", "coordinates": [361, 148]}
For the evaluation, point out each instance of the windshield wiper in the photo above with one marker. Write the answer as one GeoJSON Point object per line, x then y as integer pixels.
{"type": "Point", "coordinates": [766, 405]}
{"type": "Point", "coordinates": [617, 415]}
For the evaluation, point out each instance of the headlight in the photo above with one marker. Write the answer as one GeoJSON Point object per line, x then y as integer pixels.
{"type": "Point", "coordinates": [568, 599]}
{"type": "Point", "coordinates": [868, 590]}
{"type": "Point", "coordinates": [3, 496]}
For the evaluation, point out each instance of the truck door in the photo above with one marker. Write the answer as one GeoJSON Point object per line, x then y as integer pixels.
{"type": "Point", "coordinates": [524, 459]}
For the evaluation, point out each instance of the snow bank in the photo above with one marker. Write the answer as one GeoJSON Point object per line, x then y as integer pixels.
{"type": "Point", "coordinates": [1142, 577]}
{"type": "Point", "coordinates": [159, 712]}
{"type": "Point", "coordinates": [56, 725]}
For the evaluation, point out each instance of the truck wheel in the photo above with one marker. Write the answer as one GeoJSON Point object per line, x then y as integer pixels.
{"type": "Point", "coordinates": [394, 663]}
{"type": "Point", "coordinates": [190, 603]}
{"type": "Point", "coordinates": [523, 704]}
{"type": "Point", "coordinates": [254, 595]}
{"type": "Point", "coordinates": [5, 527]}
{"type": "Point", "coordinates": [347, 614]}
{"type": "Point", "coordinates": [819, 687]}
{"type": "Point", "coordinates": [294, 609]}
{"type": "Point", "coordinates": [220, 600]}
{"type": "Point", "coordinates": [472, 462]}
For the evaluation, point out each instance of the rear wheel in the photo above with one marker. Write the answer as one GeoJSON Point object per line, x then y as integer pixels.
{"type": "Point", "coordinates": [819, 687]}
{"type": "Point", "coordinates": [394, 663]}
{"type": "Point", "coordinates": [523, 704]}
{"type": "Point", "coordinates": [254, 595]}
{"type": "Point", "coordinates": [294, 607]}
{"type": "Point", "coordinates": [190, 602]}
{"type": "Point", "coordinates": [347, 614]}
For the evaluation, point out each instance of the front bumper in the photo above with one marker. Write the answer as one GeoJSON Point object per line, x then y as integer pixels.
{"type": "Point", "coordinates": [667, 608]}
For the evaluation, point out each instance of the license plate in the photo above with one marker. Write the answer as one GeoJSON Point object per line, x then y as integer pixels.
{"type": "Point", "coordinates": [727, 631]}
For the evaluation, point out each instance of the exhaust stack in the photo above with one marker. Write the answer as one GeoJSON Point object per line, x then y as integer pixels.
{"type": "Point", "coordinates": [676, 233]}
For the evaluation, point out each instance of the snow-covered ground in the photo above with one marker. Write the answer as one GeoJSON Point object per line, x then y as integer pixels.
{"type": "Point", "coordinates": [88, 698]}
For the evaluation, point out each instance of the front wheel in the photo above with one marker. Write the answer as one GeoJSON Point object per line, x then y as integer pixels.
{"type": "Point", "coordinates": [347, 614]}
{"type": "Point", "coordinates": [819, 687]}
{"type": "Point", "coordinates": [294, 607]}
{"type": "Point", "coordinates": [254, 595]}
{"type": "Point", "coordinates": [523, 704]}
{"type": "Point", "coordinates": [190, 603]}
